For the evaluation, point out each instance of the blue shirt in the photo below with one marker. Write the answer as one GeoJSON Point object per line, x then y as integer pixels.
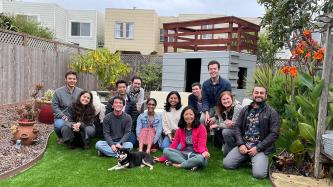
{"type": "Point", "coordinates": [210, 92]}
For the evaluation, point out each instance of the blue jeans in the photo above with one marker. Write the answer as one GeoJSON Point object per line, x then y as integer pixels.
{"type": "Point", "coordinates": [187, 161]}
{"type": "Point", "coordinates": [166, 143]}
{"type": "Point", "coordinates": [132, 138]}
{"type": "Point", "coordinates": [58, 124]}
{"type": "Point", "coordinates": [104, 147]}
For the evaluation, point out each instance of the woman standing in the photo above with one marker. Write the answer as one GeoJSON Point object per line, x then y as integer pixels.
{"type": "Point", "coordinates": [170, 117]}
{"type": "Point", "coordinates": [192, 136]}
{"type": "Point", "coordinates": [149, 127]}
{"type": "Point", "coordinates": [80, 125]}
{"type": "Point", "coordinates": [227, 112]}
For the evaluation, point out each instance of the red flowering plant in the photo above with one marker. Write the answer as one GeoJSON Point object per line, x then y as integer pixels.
{"type": "Point", "coordinates": [302, 89]}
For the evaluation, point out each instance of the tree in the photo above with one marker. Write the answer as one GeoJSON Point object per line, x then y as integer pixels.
{"type": "Point", "coordinates": [151, 74]}
{"type": "Point", "coordinates": [286, 19]}
{"type": "Point", "coordinates": [20, 24]}
{"type": "Point", "coordinates": [266, 53]}
{"type": "Point", "coordinates": [106, 66]}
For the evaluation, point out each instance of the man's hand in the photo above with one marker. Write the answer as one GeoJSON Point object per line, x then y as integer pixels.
{"type": "Point", "coordinates": [243, 149]}
{"type": "Point", "coordinates": [207, 118]}
{"type": "Point", "coordinates": [65, 118]}
{"type": "Point", "coordinates": [229, 123]}
{"type": "Point", "coordinates": [114, 148]}
{"type": "Point", "coordinates": [118, 146]}
{"type": "Point", "coordinates": [252, 151]}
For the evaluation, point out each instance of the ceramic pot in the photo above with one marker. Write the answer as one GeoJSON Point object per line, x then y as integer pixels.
{"type": "Point", "coordinates": [25, 132]}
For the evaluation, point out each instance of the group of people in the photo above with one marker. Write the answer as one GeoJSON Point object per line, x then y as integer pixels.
{"type": "Point", "coordinates": [246, 133]}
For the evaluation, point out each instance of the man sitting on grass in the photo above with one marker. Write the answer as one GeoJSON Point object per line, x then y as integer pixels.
{"type": "Point", "coordinates": [116, 128]}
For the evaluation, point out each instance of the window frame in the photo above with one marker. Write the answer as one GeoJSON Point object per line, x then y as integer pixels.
{"type": "Point", "coordinates": [80, 22]}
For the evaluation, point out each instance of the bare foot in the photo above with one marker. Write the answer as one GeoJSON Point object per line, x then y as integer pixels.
{"type": "Point", "coordinates": [148, 152]}
{"type": "Point", "coordinates": [176, 165]}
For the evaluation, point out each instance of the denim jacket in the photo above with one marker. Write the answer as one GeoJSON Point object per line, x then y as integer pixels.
{"type": "Point", "coordinates": [143, 122]}
{"type": "Point", "coordinates": [210, 92]}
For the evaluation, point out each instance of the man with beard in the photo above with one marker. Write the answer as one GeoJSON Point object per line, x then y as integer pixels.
{"type": "Point", "coordinates": [136, 92]}
{"type": "Point", "coordinates": [256, 130]}
{"type": "Point", "coordinates": [62, 99]}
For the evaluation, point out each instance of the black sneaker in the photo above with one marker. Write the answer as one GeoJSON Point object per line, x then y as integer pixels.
{"type": "Point", "coordinates": [168, 163]}
{"type": "Point", "coordinates": [194, 168]}
{"type": "Point", "coordinates": [99, 153]}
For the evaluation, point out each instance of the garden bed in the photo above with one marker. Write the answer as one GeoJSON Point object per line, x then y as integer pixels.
{"type": "Point", "coordinates": [12, 159]}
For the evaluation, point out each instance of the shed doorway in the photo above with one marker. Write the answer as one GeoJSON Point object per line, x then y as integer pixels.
{"type": "Point", "coordinates": [192, 72]}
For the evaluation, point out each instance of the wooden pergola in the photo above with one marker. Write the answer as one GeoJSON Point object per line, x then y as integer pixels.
{"type": "Point", "coordinates": [214, 34]}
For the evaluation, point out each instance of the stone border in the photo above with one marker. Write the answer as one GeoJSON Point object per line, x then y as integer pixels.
{"type": "Point", "coordinates": [26, 166]}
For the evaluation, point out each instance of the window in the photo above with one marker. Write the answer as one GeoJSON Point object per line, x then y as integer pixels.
{"type": "Point", "coordinates": [207, 36]}
{"type": "Point", "coordinates": [127, 28]}
{"type": "Point", "coordinates": [80, 29]}
{"type": "Point", "coordinates": [161, 35]}
{"type": "Point", "coordinates": [33, 18]}
{"type": "Point", "coordinates": [119, 30]}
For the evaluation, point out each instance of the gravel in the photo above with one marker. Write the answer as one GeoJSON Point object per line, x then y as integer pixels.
{"type": "Point", "coordinates": [10, 157]}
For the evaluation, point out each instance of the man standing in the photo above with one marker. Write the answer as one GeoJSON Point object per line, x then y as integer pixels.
{"type": "Point", "coordinates": [116, 129]}
{"type": "Point", "coordinates": [63, 98]}
{"type": "Point", "coordinates": [129, 107]}
{"type": "Point", "coordinates": [136, 92]}
{"type": "Point", "coordinates": [211, 90]}
{"type": "Point", "coordinates": [195, 99]}
{"type": "Point", "coordinates": [256, 131]}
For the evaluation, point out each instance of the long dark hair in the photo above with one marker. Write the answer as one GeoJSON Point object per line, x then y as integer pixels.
{"type": "Point", "coordinates": [220, 108]}
{"type": "Point", "coordinates": [167, 105]}
{"type": "Point", "coordinates": [83, 113]}
{"type": "Point", "coordinates": [196, 122]}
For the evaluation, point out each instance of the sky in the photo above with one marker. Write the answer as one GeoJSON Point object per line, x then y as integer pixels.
{"type": "Point", "coordinates": [240, 8]}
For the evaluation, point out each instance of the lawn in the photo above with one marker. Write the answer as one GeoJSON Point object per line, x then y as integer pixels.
{"type": "Point", "coordinates": [63, 167]}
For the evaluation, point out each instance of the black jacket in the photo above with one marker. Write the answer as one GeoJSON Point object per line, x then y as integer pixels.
{"type": "Point", "coordinates": [269, 128]}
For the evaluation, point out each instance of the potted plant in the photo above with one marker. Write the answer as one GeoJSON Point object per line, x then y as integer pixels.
{"type": "Point", "coordinates": [45, 114]}
{"type": "Point", "coordinates": [25, 131]}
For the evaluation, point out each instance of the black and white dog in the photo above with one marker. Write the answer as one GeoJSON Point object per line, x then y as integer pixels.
{"type": "Point", "coordinates": [127, 159]}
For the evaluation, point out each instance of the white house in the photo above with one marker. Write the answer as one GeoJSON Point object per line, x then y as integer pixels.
{"type": "Point", "coordinates": [82, 27]}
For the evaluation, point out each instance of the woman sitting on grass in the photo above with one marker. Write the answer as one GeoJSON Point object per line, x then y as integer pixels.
{"type": "Point", "coordinates": [79, 128]}
{"type": "Point", "coordinates": [149, 127]}
{"type": "Point", "coordinates": [227, 112]}
{"type": "Point", "coordinates": [193, 138]}
{"type": "Point", "coordinates": [170, 117]}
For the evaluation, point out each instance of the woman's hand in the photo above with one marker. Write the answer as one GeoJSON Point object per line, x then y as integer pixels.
{"type": "Point", "coordinates": [213, 126]}
{"type": "Point", "coordinates": [170, 137]}
{"type": "Point", "coordinates": [229, 123]}
{"type": "Point", "coordinates": [205, 154]}
{"type": "Point", "coordinates": [76, 127]}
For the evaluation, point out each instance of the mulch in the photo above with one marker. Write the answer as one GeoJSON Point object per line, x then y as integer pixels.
{"type": "Point", "coordinates": [12, 158]}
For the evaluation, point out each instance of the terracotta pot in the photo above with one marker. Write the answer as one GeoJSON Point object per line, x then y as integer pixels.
{"type": "Point", "coordinates": [25, 132]}
{"type": "Point", "coordinates": [45, 114]}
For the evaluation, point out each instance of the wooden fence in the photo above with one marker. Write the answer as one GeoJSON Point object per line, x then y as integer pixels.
{"type": "Point", "coordinates": [27, 60]}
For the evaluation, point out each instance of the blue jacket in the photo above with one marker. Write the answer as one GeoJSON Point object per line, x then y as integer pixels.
{"type": "Point", "coordinates": [210, 92]}
{"type": "Point", "coordinates": [143, 122]}
{"type": "Point", "coordinates": [193, 101]}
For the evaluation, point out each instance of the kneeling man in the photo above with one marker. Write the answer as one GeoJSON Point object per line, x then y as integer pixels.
{"type": "Point", "coordinates": [256, 131]}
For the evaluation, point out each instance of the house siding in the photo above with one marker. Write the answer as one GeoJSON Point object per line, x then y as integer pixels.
{"type": "Point", "coordinates": [87, 16]}
{"type": "Point", "coordinates": [144, 36]}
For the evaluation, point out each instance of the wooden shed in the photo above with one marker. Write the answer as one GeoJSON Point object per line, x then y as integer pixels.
{"type": "Point", "coordinates": [229, 40]}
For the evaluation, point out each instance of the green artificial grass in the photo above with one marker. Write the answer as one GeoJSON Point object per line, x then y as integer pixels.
{"type": "Point", "coordinates": [61, 166]}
